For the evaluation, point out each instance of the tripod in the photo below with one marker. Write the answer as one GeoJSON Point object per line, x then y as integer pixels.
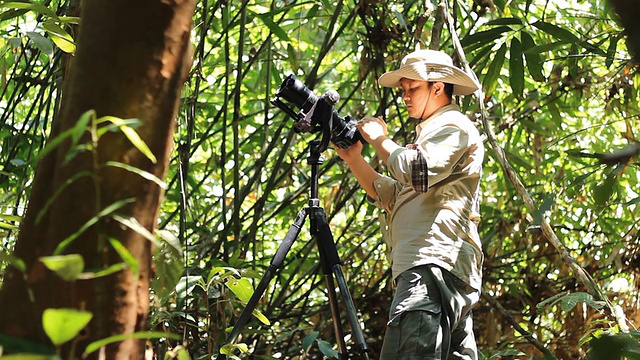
{"type": "Point", "coordinates": [329, 259]}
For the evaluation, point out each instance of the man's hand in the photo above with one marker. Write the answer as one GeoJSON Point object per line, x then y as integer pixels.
{"type": "Point", "coordinates": [372, 129]}
{"type": "Point", "coordinates": [353, 153]}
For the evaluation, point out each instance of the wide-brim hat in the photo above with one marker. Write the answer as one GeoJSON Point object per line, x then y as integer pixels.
{"type": "Point", "coordinates": [430, 65]}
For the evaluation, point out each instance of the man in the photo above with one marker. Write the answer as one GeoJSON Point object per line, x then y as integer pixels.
{"type": "Point", "coordinates": [432, 203]}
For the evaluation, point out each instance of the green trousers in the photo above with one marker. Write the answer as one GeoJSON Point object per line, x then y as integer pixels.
{"type": "Point", "coordinates": [430, 317]}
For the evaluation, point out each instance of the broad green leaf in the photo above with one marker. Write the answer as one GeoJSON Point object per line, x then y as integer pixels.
{"type": "Point", "coordinates": [326, 349]}
{"type": "Point", "coordinates": [483, 37]}
{"type": "Point", "coordinates": [42, 43]}
{"type": "Point", "coordinates": [68, 267]}
{"type": "Point", "coordinates": [309, 339]}
{"type": "Point", "coordinates": [481, 54]}
{"type": "Point", "coordinates": [39, 8]}
{"type": "Point", "coordinates": [242, 288]}
{"type": "Point", "coordinates": [491, 77]}
{"type": "Point", "coordinates": [516, 68]}
{"type": "Point", "coordinates": [556, 31]}
{"type": "Point", "coordinates": [168, 261]}
{"type": "Point", "coordinates": [541, 48]}
{"type": "Point", "coordinates": [96, 345]}
{"type": "Point", "coordinates": [534, 60]}
{"type": "Point", "coordinates": [59, 37]}
{"type": "Point", "coordinates": [62, 325]}
{"type": "Point", "coordinates": [230, 349]}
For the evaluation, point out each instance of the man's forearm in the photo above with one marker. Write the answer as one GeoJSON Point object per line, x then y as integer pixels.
{"type": "Point", "coordinates": [365, 175]}
{"type": "Point", "coordinates": [384, 147]}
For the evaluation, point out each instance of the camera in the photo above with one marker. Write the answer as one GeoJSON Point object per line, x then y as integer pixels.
{"type": "Point", "coordinates": [316, 113]}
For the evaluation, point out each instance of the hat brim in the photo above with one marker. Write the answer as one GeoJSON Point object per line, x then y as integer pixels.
{"type": "Point", "coordinates": [463, 84]}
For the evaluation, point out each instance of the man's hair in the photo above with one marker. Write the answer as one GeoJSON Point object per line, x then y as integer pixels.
{"type": "Point", "coordinates": [448, 90]}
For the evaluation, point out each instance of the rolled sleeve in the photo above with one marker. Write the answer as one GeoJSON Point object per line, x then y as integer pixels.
{"type": "Point", "coordinates": [386, 191]}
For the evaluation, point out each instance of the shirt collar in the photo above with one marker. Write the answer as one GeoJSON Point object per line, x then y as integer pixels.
{"type": "Point", "coordinates": [435, 114]}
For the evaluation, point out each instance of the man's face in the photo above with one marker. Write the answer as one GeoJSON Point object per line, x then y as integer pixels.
{"type": "Point", "coordinates": [416, 96]}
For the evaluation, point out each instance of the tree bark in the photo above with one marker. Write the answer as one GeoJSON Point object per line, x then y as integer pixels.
{"type": "Point", "coordinates": [131, 62]}
{"type": "Point", "coordinates": [628, 10]}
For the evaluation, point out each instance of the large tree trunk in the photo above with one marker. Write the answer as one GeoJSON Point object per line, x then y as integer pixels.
{"type": "Point", "coordinates": [131, 62]}
{"type": "Point", "coordinates": [628, 10]}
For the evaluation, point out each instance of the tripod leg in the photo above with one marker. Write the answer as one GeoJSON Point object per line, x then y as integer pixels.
{"type": "Point", "coordinates": [276, 262]}
{"type": "Point", "coordinates": [331, 265]}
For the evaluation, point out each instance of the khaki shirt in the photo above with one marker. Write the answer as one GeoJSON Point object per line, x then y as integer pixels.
{"type": "Point", "coordinates": [436, 225]}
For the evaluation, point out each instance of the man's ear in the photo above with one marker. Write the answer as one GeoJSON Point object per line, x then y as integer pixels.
{"type": "Point", "coordinates": [439, 88]}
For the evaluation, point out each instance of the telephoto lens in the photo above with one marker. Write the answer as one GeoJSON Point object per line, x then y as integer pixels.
{"type": "Point", "coordinates": [343, 131]}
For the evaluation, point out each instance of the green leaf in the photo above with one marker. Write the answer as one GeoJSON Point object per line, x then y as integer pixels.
{"type": "Point", "coordinates": [7, 221]}
{"type": "Point", "coordinates": [326, 349]}
{"type": "Point", "coordinates": [126, 256]}
{"type": "Point", "coordinates": [68, 267]}
{"type": "Point", "coordinates": [241, 288]}
{"type": "Point", "coordinates": [133, 224]}
{"type": "Point", "coordinates": [29, 357]}
{"type": "Point", "coordinates": [309, 339]}
{"type": "Point", "coordinates": [491, 78]}
{"type": "Point", "coordinates": [261, 317]}
{"type": "Point", "coordinates": [168, 261]}
{"type": "Point", "coordinates": [39, 8]}
{"type": "Point", "coordinates": [42, 43]}
{"type": "Point", "coordinates": [144, 174]}
{"type": "Point", "coordinates": [556, 31]}
{"type": "Point", "coordinates": [62, 325]}
{"type": "Point", "coordinates": [96, 345]}
{"type": "Point", "coordinates": [505, 21]}
{"type": "Point", "coordinates": [23, 347]}
{"type": "Point", "coordinates": [102, 272]}
{"type": "Point", "coordinates": [483, 37]}
{"type": "Point", "coordinates": [107, 211]}
{"type": "Point", "coordinates": [292, 56]}
{"type": "Point", "coordinates": [59, 36]}
{"type": "Point", "coordinates": [611, 50]}
{"type": "Point", "coordinates": [230, 349]}
{"type": "Point", "coordinates": [13, 261]}
{"type": "Point", "coordinates": [534, 60]}
{"type": "Point", "coordinates": [132, 135]}
{"type": "Point", "coordinates": [274, 28]}
{"type": "Point", "coordinates": [516, 68]}
{"type": "Point", "coordinates": [603, 190]}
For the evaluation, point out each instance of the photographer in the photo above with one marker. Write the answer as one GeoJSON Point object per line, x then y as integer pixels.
{"type": "Point", "coordinates": [431, 200]}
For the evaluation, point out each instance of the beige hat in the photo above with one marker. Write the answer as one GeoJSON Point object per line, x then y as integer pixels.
{"type": "Point", "coordinates": [430, 65]}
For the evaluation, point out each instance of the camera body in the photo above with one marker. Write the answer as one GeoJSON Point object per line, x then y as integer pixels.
{"type": "Point", "coordinates": [312, 116]}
